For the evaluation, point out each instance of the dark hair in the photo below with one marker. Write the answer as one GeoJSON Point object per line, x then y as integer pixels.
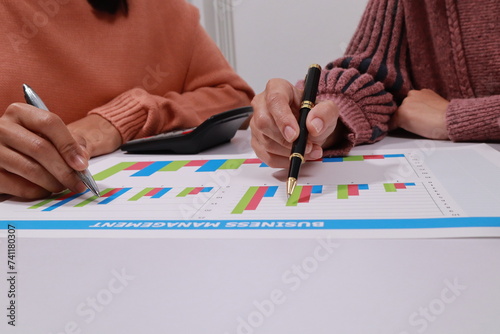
{"type": "Point", "coordinates": [109, 6]}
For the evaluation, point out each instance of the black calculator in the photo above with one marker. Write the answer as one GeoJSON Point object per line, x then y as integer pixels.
{"type": "Point", "coordinates": [216, 130]}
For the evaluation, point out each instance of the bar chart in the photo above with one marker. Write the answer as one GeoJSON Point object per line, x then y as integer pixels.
{"type": "Point", "coordinates": [343, 201]}
{"type": "Point", "coordinates": [360, 186]}
{"type": "Point", "coordinates": [254, 195]}
{"type": "Point", "coordinates": [350, 168]}
{"type": "Point", "coordinates": [173, 202]}
{"type": "Point", "coordinates": [148, 168]}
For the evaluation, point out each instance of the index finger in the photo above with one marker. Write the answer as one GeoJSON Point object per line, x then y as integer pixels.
{"type": "Point", "coordinates": [282, 101]}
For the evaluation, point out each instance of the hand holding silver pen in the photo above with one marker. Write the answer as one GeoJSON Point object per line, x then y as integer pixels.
{"type": "Point", "coordinates": [84, 175]}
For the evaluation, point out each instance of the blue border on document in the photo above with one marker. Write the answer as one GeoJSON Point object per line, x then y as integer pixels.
{"type": "Point", "coordinates": [271, 224]}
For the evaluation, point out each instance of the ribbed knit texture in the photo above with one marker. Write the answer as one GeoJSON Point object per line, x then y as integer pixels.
{"type": "Point", "coordinates": [151, 71]}
{"type": "Point", "coordinates": [451, 47]}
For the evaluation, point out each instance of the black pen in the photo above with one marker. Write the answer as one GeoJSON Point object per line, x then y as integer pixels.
{"type": "Point", "coordinates": [299, 145]}
{"type": "Point", "coordinates": [32, 98]}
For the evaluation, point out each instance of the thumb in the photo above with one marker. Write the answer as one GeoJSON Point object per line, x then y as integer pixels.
{"type": "Point", "coordinates": [321, 121]}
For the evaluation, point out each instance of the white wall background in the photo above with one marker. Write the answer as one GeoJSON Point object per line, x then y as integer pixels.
{"type": "Point", "coordinates": [264, 39]}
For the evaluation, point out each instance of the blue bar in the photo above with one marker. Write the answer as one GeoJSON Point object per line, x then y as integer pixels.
{"type": "Point", "coordinates": [334, 159]}
{"type": "Point", "coordinates": [410, 184]}
{"type": "Point", "coordinates": [114, 196]}
{"type": "Point", "coordinates": [271, 191]}
{"type": "Point", "coordinates": [151, 169]}
{"type": "Point", "coordinates": [263, 165]}
{"type": "Point", "coordinates": [363, 187]}
{"type": "Point", "coordinates": [317, 189]}
{"type": "Point", "coordinates": [211, 165]}
{"type": "Point", "coordinates": [161, 193]}
{"type": "Point", "coordinates": [64, 201]}
{"type": "Point", "coordinates": [206, 190]}
{"type": "Point", "coordinates": [329, 224]}
{"type": "Point", "coordinates": [394, 155]}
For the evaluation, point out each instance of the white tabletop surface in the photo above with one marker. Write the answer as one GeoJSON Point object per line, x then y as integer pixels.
{"type": "Point", "coordinates": [271, 285]}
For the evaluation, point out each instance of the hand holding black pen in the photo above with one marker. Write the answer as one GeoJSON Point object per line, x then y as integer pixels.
{"type": "Point", "coordinates": [299, 145]}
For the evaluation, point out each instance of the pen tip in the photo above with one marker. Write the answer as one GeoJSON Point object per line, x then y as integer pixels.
{"type": "Point", "coordinates": [94, 189]}
{"type": "Point", "coordinates": [290, 186]}
{"type": "Point", "coordinates": [89, 182]}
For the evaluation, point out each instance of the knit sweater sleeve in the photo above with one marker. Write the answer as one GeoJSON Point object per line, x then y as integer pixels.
{"type": "Point", "coordinates": [209, 86]}
{"type": "Point", "coordinates": [474, 119]}
{"type": "Point", "coordinates": [371, 80]}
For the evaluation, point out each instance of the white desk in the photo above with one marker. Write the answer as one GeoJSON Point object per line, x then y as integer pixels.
{"type": "Point", "coordinates": [271, 285]}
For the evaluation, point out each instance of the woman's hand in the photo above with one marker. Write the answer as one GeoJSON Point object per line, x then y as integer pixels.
{"type": "Point", "coordinates": [274, 124]}
{"type": "Point", "coordinates": [38, 154]}
{"type": "Point", "coordinates": [422, 112]}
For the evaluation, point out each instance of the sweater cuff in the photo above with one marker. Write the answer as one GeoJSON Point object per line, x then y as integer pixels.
{"type": "Point", "coordinates": [474, 119]}
{"type": "Point", "coordinates": [358, 129]}
{"type": "Point", "coordinates": [364, 107]}
{"type": "Point", "coordinates": [126, 112]}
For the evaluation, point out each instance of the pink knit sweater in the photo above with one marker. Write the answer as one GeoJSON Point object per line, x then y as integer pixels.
{"type": "Point", "coordinates": [451, 47]}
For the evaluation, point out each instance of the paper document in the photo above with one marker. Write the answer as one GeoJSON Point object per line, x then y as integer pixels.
{"type": "Point", "coordinates": [394, 193]}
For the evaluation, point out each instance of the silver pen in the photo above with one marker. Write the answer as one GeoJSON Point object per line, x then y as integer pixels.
{"type": "Point", "coordinates": [32, 98]}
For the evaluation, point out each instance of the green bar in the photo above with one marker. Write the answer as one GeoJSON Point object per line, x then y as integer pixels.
{"type": "Point", "coordinates": [293, 200]}
{"type": "Point", "coordinates": [140, 194]}
{"type": "Point", "coordinates": [185, 192]}
{"type": "Point", "coordinates": [232, 164]}
{"type": "Point", "coordinates": [243, 203]}
{"type": "Point", "coordinates": [112, 170]}
{"type": "Point", "coordinates": [174, 166]}
{"type": "Point", "coordinates": [390, 187]}
{"type": "Point", "coordinates": [36, 206]}
{"type": "Point", "coordinates": [342, 192]}
{"type": "Point", "coordinates": [92, 198]}
{"type": "Point", "coordinates": [354, 158]}
{"type": "Point", "coordinates": [48, 200]}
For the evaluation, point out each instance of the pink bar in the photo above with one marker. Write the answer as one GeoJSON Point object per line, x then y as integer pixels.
{"type": "Point", "coordinates": [254, 203]}
{"type": "Point", "coordinates": [63, 197]}
{"type": "Point", "coordinates": [195, 191]}
{"type": "Point", "coordinates": [352, 190]}
{"type": "Point", "coordinates": [252, 161]}
{"type": "Point", "coordinates": [139, 165]}
{"type": "Point", "coordinates": [399, 185]}
{"type": "Point", "coordinates": [153, 192]}
{"type": "Point", "coordinates": [196, 163]}
{"type": "Point", "coordinates": [373, 157]}
{"type": "Point", "coordinates": [305, 194]}
{"type": "Point", "coordinates": [112, 192]}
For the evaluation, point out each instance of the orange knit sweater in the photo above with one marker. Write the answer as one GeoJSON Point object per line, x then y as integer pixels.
{"type": "Point", "coordinates": [148, 72]}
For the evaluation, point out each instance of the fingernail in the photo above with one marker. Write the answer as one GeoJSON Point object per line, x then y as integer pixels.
{"type": "Point", "coordinates": [308, 148]}
{"type": "Point", "coordinates": [289, 133]}
{"type": "Point", "coordinates": [318, 124]}
{"type": "Point", "coordinates": [316, 154]}
{"type": "Point", "coordinates": [80, 162]}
